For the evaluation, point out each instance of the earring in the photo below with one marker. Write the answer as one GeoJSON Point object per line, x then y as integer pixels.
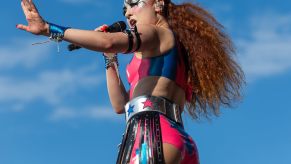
{"type": "Point", "coordinates": [159, 6]}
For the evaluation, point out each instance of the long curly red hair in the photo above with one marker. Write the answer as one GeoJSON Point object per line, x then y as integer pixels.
{"type": "Point", "coordinates": [215, 78]}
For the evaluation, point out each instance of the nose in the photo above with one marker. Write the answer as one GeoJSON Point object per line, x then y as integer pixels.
{"type": "Point", "coordinates": [128, 12]}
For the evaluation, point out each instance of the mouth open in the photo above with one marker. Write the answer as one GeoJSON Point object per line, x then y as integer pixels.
{"type": "Point", "coordinates": [132, 22]}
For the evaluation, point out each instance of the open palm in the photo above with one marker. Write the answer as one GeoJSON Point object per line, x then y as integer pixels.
{"type": "Point", "coordinates": [36, 24]}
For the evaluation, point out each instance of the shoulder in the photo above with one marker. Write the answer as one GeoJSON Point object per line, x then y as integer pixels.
{"type": "Point", "coordinates": [149, 37]}
{"type": "Point", "coordinates": [160, 39]}
{"type": "Point", "coordinates": [167, 38]}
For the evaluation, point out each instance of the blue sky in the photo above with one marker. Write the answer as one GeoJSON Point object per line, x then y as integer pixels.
{"type": "Point", "coordinates": [54, 107]}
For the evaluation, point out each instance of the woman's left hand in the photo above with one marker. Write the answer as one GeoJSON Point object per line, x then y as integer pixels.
{"type": "Point", "coordinates": [36, 25]}
{"type": "Point", "coordinates": [101, 28]}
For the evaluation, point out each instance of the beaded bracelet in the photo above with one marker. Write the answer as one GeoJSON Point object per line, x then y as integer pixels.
{"type": "Point", "coordinates": [111, 61]}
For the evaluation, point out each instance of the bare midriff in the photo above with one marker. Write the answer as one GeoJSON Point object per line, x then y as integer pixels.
{"type": "Point", "coordinates": [160, 86]}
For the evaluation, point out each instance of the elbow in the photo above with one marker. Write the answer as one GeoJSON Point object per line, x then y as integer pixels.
{"type": "Point", "coordinates": [119, 110]}
{"type": "Point", "coordinates": [107, 45]}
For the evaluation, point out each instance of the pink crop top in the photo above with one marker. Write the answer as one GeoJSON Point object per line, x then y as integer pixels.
{"type": "Point", "coordinates": [170, 65]}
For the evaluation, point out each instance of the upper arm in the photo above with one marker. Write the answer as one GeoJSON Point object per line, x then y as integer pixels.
{"type": "Point", "coordinates": [149, 40]}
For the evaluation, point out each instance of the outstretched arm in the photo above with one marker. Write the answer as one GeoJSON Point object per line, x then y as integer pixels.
{"type": "Point", "coordinates": [98, 41]}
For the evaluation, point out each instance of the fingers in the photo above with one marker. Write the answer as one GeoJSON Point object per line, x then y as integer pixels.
{"type": "Point", "coordinates": [97, 29]}
{"type": "Point", "coordinates": [22, 27]}
{"type": "Point", "coordinates": [32, 6]}
{"type": "Point", "coordinates": [104, 28]}
{"type": "Point", "coordinates": [101, 28]}
{"type": "Point", "coordinates": [28, 6]}
{"type": "Point", "coordinates": [24, 8]}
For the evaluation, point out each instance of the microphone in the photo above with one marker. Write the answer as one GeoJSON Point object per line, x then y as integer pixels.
{"type": "Point", "coordinates": [115, 27]}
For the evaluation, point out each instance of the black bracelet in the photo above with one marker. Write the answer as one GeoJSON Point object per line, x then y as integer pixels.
{"type": "Point", "coordinates": [130, 41]}
{"type": "Point", "coordinates": [138, 40]}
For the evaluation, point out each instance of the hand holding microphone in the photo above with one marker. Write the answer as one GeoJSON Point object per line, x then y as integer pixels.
{"type": "Point", "coordinates": [115, 27]}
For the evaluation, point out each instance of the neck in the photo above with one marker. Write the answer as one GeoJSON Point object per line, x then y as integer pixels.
{"type": "Point", "coordinates": [161, 22]}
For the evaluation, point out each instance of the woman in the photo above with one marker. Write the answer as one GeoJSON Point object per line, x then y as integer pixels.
{"type": "Point", "coordinates": [181, 57]}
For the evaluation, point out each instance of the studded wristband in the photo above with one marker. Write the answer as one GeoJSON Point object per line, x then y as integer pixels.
{"type": "Point", "coordinates": [111, 61]}
{"type": "Point", "coordinates": [56, 32]}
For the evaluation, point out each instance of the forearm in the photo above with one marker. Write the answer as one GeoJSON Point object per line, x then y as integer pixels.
{"type": "Point", "coordinates": [116, 90]}
{"type": "Point", "coordinates": [97, 41]}
{"type": "Point", "coordinates": [117, 42]}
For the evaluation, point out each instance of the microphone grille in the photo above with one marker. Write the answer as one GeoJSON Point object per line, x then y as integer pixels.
{"type": "Point", "coordinates": [117, 27]}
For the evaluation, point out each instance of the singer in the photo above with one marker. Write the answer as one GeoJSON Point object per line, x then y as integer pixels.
{"type": "Point", "coordinates": [182, 60]}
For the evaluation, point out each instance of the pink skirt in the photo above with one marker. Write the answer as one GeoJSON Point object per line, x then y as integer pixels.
{"type": "Point", "coordinates": [144, 137]}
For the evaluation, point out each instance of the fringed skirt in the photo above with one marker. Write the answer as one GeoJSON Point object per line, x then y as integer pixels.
{"type": "Point", "coordinates": [146, 131]}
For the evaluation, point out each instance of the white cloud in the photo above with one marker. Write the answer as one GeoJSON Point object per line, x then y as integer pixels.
{"type": "Point", "coordinates": [52, 87]}
{"type": "Point", "coordinates": [23, 54]}
{"type": "Point", "coordinates": [268, 52]}
{"type": "Point", "coordinates": [96, 112]}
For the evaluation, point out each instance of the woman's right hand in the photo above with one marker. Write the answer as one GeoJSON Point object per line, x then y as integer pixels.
{"type": "Point", "coordinates": [36, 25]}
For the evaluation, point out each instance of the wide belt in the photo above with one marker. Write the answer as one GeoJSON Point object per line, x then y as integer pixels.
{"type": "Point", "coordinates": [152, 103]}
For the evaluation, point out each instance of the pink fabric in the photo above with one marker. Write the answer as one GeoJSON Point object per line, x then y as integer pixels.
{"type": "Point", "coordinates": [140, 68]}
{"type": "Point", "coordinates": [136, 145]}
{"type": "Point", "coordinates": [133, 75]}
{"type": "Point", "coordinates": [176, 137]}
{"type": "Point", "coordinates": [173, 136]}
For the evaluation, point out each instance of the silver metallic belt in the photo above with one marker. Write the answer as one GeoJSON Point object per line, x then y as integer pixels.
{"type": "Point", "coordinates": [152, 103]}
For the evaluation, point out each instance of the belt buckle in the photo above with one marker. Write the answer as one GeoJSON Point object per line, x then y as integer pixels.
{"type": "Point", "coordinates": [177, 114]}
{"type": "Point", "coordinates": [164, 106]}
